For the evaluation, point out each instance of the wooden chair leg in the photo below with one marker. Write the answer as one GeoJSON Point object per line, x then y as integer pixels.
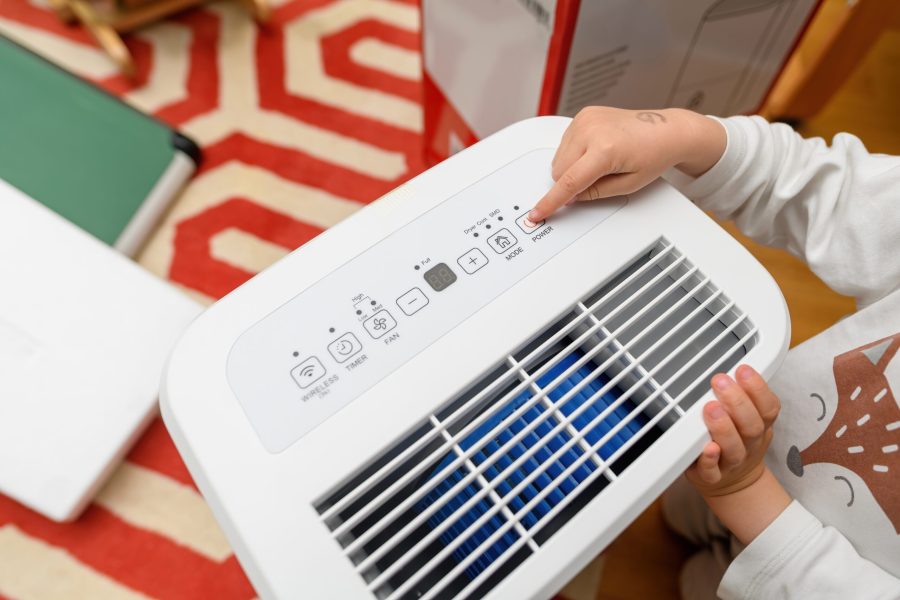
{"type": "Point", "coordinates": [63, 11]}
{"type": "Point", "coordinates": [106, 36]}
{"type": "Point", "coordinates": [260, 9]}
{"type": "Point", "coordinates": [808, 87]}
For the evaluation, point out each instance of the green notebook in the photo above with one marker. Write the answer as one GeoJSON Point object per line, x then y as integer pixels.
{"type": "Point", "coordinates": [84, 153]}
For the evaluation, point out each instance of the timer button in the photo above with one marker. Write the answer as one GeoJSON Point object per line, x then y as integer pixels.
{"type": "Point", "coordinates": [344, 347]}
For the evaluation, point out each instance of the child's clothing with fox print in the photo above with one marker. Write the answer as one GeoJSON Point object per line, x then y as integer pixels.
{"type": "Point", "coordinates": [836, 446]}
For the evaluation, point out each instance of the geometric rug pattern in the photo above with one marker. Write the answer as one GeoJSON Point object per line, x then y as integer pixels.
{"type": "Point", "coordinates": [302, 121]}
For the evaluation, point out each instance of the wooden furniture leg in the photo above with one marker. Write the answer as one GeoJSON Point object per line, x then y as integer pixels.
{"type": "Point", "coordinates": [260, 9]}
{"type": "Point", "coordinates": [107, 23]}
{"type": "Point", "coordinates": [806, 87]}
{"type": "Point", "coordinates": [62, 10]}
{"type": "Point", "coordinates": [105, 35]}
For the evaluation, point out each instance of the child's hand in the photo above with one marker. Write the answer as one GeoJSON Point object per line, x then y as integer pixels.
{"type": "Point", "coordinates": [609, 152]}
{"type": "Point", "coordinates": [740, 424]}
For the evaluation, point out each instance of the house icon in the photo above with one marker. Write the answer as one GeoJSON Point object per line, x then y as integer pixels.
{"type": "Point", "coordinates": [502, 240]}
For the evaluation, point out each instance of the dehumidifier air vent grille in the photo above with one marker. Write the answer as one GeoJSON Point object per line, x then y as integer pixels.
{"type": "Point", "coordinates": [471, 492]}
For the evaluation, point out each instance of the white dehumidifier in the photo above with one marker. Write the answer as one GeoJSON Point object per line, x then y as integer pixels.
{"type": "Point", "coordinates": [439, 399]}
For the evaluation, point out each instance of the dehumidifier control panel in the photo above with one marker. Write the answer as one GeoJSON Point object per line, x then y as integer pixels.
{"type": "Point", "coordinates": [342, 335]}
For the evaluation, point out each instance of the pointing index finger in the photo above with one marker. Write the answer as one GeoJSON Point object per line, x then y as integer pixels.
{"type": "Point", "coordinates": [572, 182]}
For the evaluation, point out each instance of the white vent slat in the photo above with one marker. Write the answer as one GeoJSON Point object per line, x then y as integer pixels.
{"type": "Point", "coordinates": [484, 518]}
{"type": "Point", "coordinates": [436, 478]}
{"type": "Point", "coordinates": [559, 453]}
{"type": "Point", "coordinates": [354, 495]}
{"type": "Point", "coordinates": [549, 407]}
{"type": "Point", "coordinates": [564, 421]}
{"type": "Point", "coordinates": [484, 483]}
{"type": "Point", "coordinates": [462, 434]}
{"type": "Point", "coordinates": [479, 485]}
{"type": "Point", "coordinates": [478, 580]}
{"type": "Point", "coordinates": [455, 464]}
{"type": "Point", "coordinates": [632, 440]}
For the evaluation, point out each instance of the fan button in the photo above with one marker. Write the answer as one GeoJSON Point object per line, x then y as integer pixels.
{"type": "Point", "coordinates": [379, 324]}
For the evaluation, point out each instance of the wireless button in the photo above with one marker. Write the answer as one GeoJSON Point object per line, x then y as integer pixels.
{"type": "Point", "coordinates": [308, 372]}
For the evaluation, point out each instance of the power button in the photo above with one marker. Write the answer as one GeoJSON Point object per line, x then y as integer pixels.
{"type": "Point", "coordinates": [526, 225]}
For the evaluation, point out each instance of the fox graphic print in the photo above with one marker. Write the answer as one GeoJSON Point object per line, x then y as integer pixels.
{"type": "Point", "coordinates": [864, 432]}
{"type": "Point", "coordinates": [836, 443]}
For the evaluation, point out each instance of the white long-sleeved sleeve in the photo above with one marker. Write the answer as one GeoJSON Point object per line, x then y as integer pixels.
{"type": "Point", "coordinates": [797, 557]}
{"type": "Point", "coordinates": [837, 207]}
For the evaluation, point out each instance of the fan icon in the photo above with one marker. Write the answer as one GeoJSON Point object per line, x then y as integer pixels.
{"type": "Point", "coordinates": [379, 324]}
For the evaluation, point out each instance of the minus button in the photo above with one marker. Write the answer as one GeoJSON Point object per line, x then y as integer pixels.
{"type": "Point", "coordinates": [412, 301]}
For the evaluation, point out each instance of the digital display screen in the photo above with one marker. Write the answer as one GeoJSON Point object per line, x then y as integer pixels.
{"type": "Point", "coordinates": [440, 277]}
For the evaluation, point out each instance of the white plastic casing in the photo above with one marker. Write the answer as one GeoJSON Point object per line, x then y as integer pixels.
{"type": "Point", "coordinates": [84, 335]}
{"type": "Point", "coordinates": [263, 498]}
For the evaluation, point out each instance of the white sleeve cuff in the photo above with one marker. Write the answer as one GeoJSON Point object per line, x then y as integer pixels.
{"type": "Point", "coordinates": [751, 573]}
{"type": "Point", "coordinates": [715, 190]}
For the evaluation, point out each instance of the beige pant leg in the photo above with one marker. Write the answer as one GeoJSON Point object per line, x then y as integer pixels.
{"type": "Point", "coordinates": [701, 574]}
{"type": "Point", "coordinates": [689, 516]}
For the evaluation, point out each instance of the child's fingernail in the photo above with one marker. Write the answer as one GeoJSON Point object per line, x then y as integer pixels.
{"type": "Point", "coordinates": [716, 412]}
{"type": "Point", "coordinates": [721, 382]}
{"type": "Point", "coordinates": [745, 372]}
{"type": "Point", "coordinates": [534, 216]}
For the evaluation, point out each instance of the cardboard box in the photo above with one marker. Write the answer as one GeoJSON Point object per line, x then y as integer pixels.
{"type": "Point", "coordinates": [489, 63]}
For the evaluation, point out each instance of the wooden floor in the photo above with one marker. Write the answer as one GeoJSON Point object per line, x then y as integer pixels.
{"type": "Point", "coordinates": [645, 560]}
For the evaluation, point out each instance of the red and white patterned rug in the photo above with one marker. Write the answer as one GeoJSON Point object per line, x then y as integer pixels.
{"type": "Point", "coordinates": [302, 121]}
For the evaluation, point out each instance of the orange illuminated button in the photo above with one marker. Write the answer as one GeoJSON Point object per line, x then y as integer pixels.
{"type": "Point", "coordinates": [526, 225]}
